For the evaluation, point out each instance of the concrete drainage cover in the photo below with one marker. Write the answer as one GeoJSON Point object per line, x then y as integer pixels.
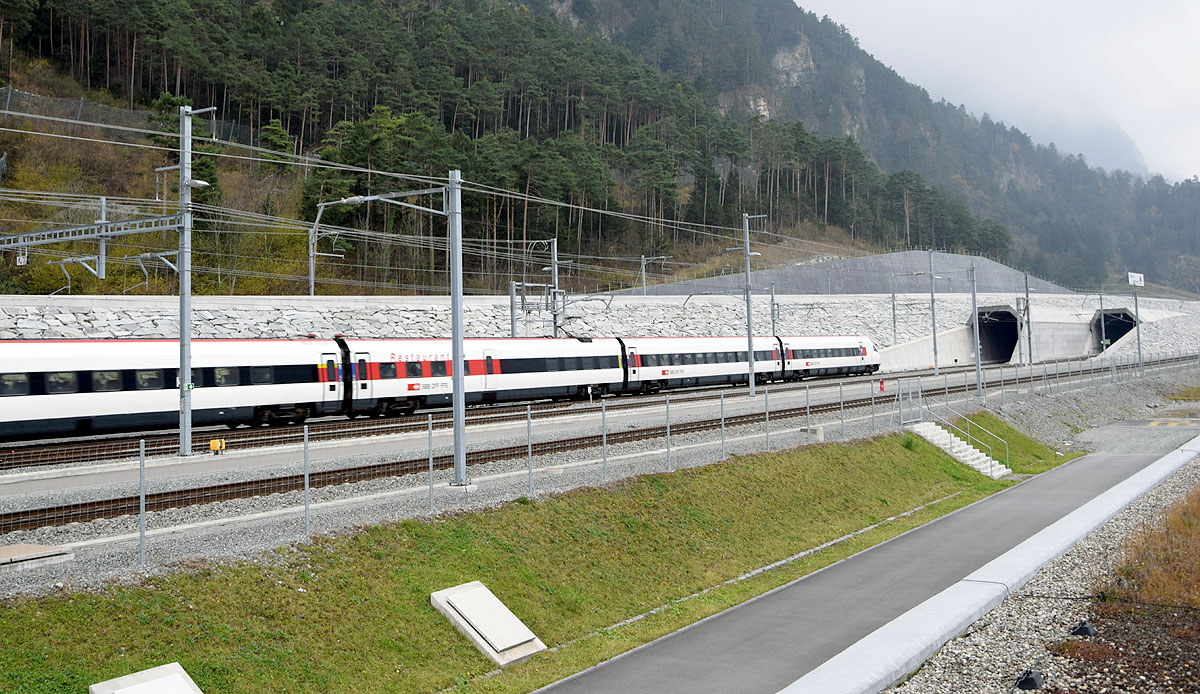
{"type": "Point", "coordinates": [25, 556]}
{"type": "Point", "coordinates": [164, 679]}
{"type": "Point", "coordinates": [487, 622]}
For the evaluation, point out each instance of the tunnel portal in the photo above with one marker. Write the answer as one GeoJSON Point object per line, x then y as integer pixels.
{"type": "Point", "coordinates": [1110, 325]}
{"type": "Point", "coordinates": [998, 333]}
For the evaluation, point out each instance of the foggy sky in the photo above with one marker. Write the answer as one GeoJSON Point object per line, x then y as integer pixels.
{"type": "Point", "coordinates": [1079, 73]}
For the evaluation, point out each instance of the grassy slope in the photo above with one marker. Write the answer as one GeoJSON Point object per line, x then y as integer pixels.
{"type": "Point", "coordinates": [568, 565]}
{"type": "Point", "coordinates": [1025, 454]}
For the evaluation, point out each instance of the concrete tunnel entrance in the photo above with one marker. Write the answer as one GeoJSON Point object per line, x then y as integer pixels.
{"type": "Point", "coordinates": [998, 333]}
{"type": "Point", "coordinates": [1109, 326]}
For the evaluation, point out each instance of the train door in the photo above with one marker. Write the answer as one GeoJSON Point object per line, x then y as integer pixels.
{"type": "Point", "coordinates": [634, 368]}
{"type": "Point", "coordinates": [489, 371]}
{"type": "Point", "coordinates": [331, 383]}
{"type": "Point", "coordinates": [363, 386]}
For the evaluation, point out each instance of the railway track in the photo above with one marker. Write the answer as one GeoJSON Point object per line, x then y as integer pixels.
{"type": "Point", "coordinates": [15, 456]}
{"type": "Point", "coordinates": [110, 508]}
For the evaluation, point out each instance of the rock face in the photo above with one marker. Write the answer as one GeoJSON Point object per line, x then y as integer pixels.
{"type": "Point", "coordinates": [794, 65]}
{"type": "Point", "coordinates": [1168, 324]}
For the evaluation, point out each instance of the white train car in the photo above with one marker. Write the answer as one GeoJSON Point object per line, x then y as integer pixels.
{"type": "Point", "coordinates": [828, 355]}
{"type": "Point", "coordinates": [398, 376]}
{"type": "Point", "coordinates": [69, 386]}
{"type": "Point", "coordinates": [661, 363]}
{"type": "Point", "coordinates": [77, 386]}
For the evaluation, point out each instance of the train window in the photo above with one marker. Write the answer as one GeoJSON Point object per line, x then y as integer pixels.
{"type": "Point", "coordinates": [437, 368]}
{"type": "Point", "coordinates": [387, 369]}
{"type": "Point", "coordinates": [742, 356]}
{"type": "Point", "coordinates": [14, 384]}
{"type": "Point", "coordinates": [364, 374]}
{"type": "Point", "coordinates": [689, 358]}
{"type": "Point", "coordinates": [466, 368]}
{"type": "Point", "coordinates": [491, 367]}
{"type": "Point", "coordinates": [554, 364]}
{"type": "Point", "coordinates": [226, 376]}
{"type": "Point", "coordinates": [106, 381]}
{"type": "Point", "coordinates": [412, 369]}
{"type": "Point", "coordinates": [331, 371]}
{"type": "Point", "coordinates": [587, 362]}
{"type": "Point", "coordinates": [262, 375]}
{"type": "Point", "coordinates": [62, 382]}
{"type": "Point", "coordinates": [148, 379]}
{"type": "Point", "coordinates": [649, 360]}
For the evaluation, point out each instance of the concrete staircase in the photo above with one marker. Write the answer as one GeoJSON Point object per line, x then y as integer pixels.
{"type": "Point", "coordinates": [960, 450]}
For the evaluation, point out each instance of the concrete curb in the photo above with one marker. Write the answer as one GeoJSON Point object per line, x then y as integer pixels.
{"type": "Point", "coordinates": [889, 653]}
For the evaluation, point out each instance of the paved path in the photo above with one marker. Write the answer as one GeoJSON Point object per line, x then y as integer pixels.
{"type": "Point", "coordinates": [764, 645]}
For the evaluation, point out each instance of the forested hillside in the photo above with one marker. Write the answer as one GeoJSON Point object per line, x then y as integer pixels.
{"type": "Point", "coordinates": [1074, 223]}
{"type": "Point", "coordinates": [692, 109]}
{"type": "Point", "coordinates": [514, 97]}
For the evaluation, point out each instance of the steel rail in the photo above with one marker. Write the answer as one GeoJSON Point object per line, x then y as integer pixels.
{"type": "Point", "coordinates": [110, 508]}
{"type": "Point", "coordinates": [15, 456]}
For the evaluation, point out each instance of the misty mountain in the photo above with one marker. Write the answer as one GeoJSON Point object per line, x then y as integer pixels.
{"type": "Point", "coordinates": [772, 60]}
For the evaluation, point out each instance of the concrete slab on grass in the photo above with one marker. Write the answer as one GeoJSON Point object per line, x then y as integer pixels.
{"type": "Point", "coordinates": [164, 679]}
{"type": "Point", "coordinates": [491, 626]}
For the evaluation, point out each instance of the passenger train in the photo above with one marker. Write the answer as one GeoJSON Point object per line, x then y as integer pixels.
{"type": "Point", "coordinates": [55, 387]}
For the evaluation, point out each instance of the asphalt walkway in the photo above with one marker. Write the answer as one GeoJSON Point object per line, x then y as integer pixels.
{"type": "Point", "coordinates": [765, 644]}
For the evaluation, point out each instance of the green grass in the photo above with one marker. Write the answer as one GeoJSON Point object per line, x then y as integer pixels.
{"type": "Point", "coordinates": [1026, 456]}
{"type": "Point", "coordinates": [1189, 394]}
{"type": "Point", "coordinates": [568, 565]}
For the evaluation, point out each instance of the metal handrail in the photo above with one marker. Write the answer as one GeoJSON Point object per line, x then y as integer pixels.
{"type": "Point", "coordinates": [985, 429]}
{"type": "Point", "coordinates": [959, 430]}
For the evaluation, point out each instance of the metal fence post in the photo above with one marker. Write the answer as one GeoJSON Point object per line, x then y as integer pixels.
{"type": "Point", "coordinates": [604, 438]}
{"type": "Point", "coordinates": [807, 414]}
{"type": "Point", "coordinates": [872, 388]}
{"type": "Point", "coordinates": [529, 444]}
{"type": "Point", "coordinates": [767, 408]}
{"type": "Point", "coordinates": [141, 499]}
{"type": "Point", "coordinates": [429, 426]}
{"type": "Point", "coordinates": [966, 390]}
{"type": "Point", "coordinates": [842, 409]}
{"type": "Point", "coordinates": [307, 518]}
{"type": "Point", "coordinates": [670, 463]}
{"type": "Point", "coordinates": [945, 385]}
{"type": "Point", "coordinates": [723, 454]}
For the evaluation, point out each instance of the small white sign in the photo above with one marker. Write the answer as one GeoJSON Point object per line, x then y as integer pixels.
{"type": "Point", "coordinates": [1136, 279]}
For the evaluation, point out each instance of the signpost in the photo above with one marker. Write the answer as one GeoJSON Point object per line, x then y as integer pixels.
{"type": "Point", "coordinates": [1136, 279]}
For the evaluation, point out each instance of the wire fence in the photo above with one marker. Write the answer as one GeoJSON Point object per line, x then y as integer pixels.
{"type": "Point", "coordinates": [314, 490]}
